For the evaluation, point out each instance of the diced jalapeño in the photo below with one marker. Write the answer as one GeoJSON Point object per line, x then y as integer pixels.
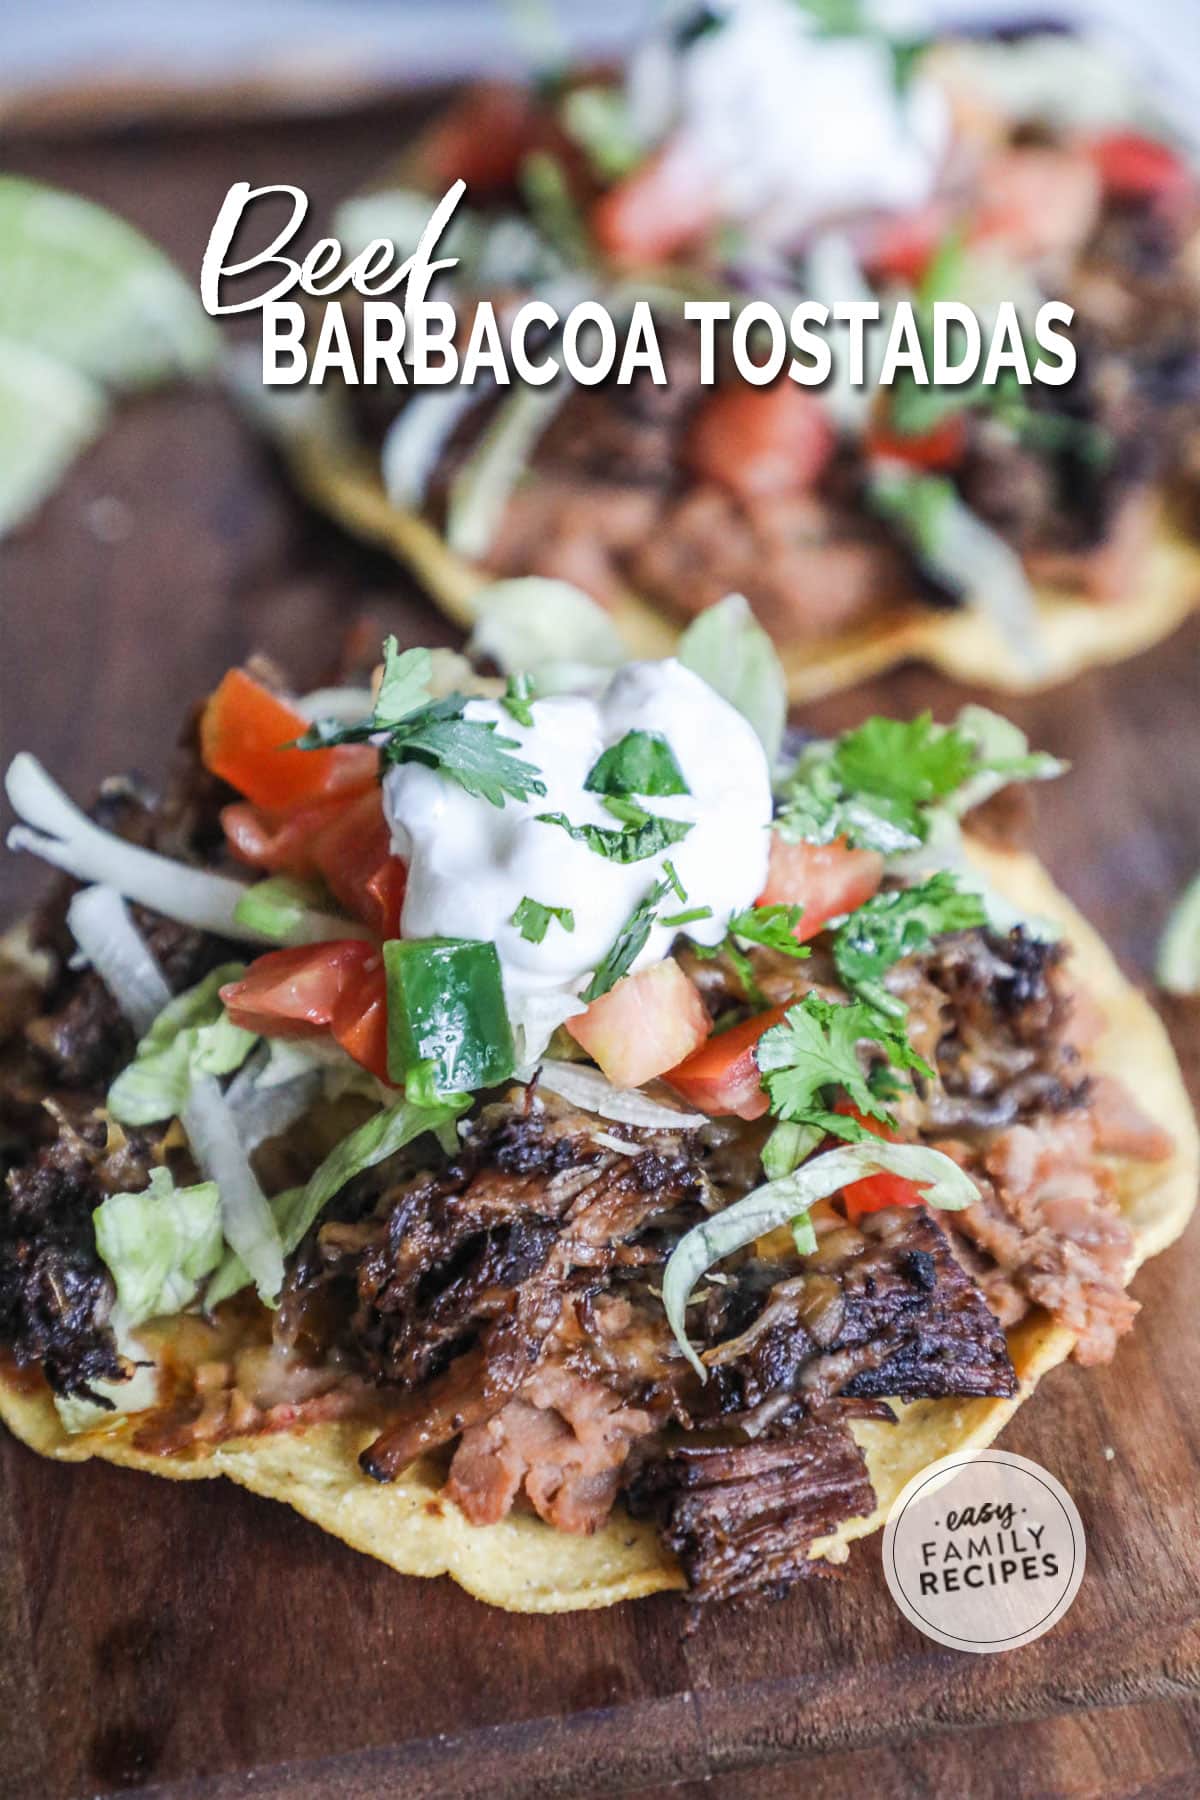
{"type": "Point", "coordinates": [446, 1006]}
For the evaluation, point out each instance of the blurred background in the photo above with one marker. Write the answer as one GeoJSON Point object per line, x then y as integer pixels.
{"type": "Point", "coordinates": [76, 59]}
{"type": "Point", "coordinates": [158, 542]}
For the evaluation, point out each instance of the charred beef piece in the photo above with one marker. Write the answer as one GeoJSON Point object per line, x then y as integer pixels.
{"type": "Point", "coordinates": [55, 1294]}
{"type": "Point", "coordinates": [469, 1280]}
{"type": "Point", "coordinates": [514, 1300]}
{"type": "Point", "coordinates": [991, 1013]}
{"type": "Point", "coordinates": [881, 1309]}
{"type": "Point", "coordinates": [742, 1518]}
{"type": "Point", "coordinates": [82, 1037]}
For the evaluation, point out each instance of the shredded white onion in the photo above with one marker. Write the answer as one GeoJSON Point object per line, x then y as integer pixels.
{"type": "Point", "coordinates": [100, 924]}
{"type": "Point", "coordinates": [588, 1088]}
{"type": "Point", "coordinates": [263, 1111]}
{"type": "Point", "coordinates": [606, 1141]}
{"type": "Point", "coordinates": [132, 976]}
{"type": "Point", "coordinates": [66, 837]}
{"type": "Point", "coordinates": [246, 1218]}
{"type": "Point", "coordinates": [417, 437]}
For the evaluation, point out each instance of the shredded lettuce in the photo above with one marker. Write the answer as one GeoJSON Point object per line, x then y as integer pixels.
{"type": "Point", "coordinates": [788, 1146]}
{"type": "Point", "coordinates": [789, 1199]}
{"type": "Point", "coordinates": [133, 976]}
{"type": "Point", "coordinates": [158, 1245]}
{"type": "Point", "coordinates": [246, 1217]}
{"type": "Point", "coordinates": [598, 119]}
{"type": "Point", "coordinates": [481, 490]}
{"type": "Point", "coordinates": [1178, 966]}
{"type": "Point", "coordinates": [191, 1036]}
{"type": "Point", "coordinates": [136, 1394]}
{"type": "Point", "coordinates": [1003, 754]}
{"type": "Point", "coordinates": [345, 704]}
{"type": "Point", "coordinates": [547, 629]}
{"type": "Point", "coordinates": [296, 1209]}
{"type": "Point", "coordinates": [729, 649]}
{"type": "Point", "coordinates": [263, 1104]}
{"type": "Point", "coordinates": [964, 554]}
{"type": "Point", "coordinates": [417, 437]}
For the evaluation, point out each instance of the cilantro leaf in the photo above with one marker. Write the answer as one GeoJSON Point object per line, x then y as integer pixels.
{"type": "Point", "coordinates": [437, 733]}
{"type": "Point", "coordinates": [405, 684]}
{"type": "Point", "coordinates": [628, 811]}
{"type": "Point", "coordinates": [518, 698]}
{"type": "Point", "coordinates": [912, 763]}
{"type": "Point", "coordinates": [817, 810]}
{"type": "Point", "coordinates": [641, 763]}
{"type": "Point", "coordinates": [634, 844]}
{"type": "Point", "coordinates": [691, 916]}
{"type": "Point", "coordinates": [532, 919]}
{"type": "Point", "coordinates": [469, 751]}
{"type": "Point", "coordinates": [872, 785]}
{"type": "Point", "coordinates": [815, 1049]}
{"type": "Point", "coordinates": [628, 944]}
{"type": "Point", "coordinates": [772, 926]}
{"type": "Point", "coordinates": [892, 925]}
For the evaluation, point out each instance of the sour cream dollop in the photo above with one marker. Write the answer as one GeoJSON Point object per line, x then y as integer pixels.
{"type": "Point", "coordinates": [470, 864]}
{"type": "Point", "coordinates": [798, 127]}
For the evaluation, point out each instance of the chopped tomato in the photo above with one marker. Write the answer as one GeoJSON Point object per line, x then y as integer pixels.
{"type": "Point", "coordinates": [353, 851]}
{"type": "Point", "coordinates": [1036, 201]}
{"type": "Point", "coordinates": [825, 879]}
{"type": "Point", "coordinates": [1133, 167]}
{"type": "Point", "coordinates": [281, 843]}
{"type": "Point", "coordinates": [337, 987]}
{"type": "Point", "coordinates": [479, 138]}
{"type": "Point", "coordinates": [901, 248]}
{"type": "Point", "coordinates": [874, 1192]}
{"type": "Point", "coordinates": [243, 733]}
{"type": "Point", "coordinates": [294, 993]}
{"type": "Point", "coordinates": [344, 839]}
{"type": "Point", "coordinates": [360, 1018]}
{"type": "Point", "coordinates": [659, 209]}
{"type": "Point", "coordinates": [941, 448]}
{"type": "Point", "coordinates": [645, 1024]}
{"type": "Point", "coordinates": [723, 1076]}
{"type": "Point", "coordinates": [761, 443]}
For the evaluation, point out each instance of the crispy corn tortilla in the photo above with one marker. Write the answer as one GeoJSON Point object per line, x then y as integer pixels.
{"type": "Point", "coordinates": [526, 1566]}
{"type": "Point", "coordinates": [1077, 633]}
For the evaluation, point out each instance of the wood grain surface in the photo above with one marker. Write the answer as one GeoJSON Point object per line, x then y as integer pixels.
{"type": "Point", "coordinates": [197, 1641]}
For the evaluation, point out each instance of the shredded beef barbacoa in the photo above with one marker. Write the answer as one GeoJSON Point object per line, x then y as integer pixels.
{"type": "Point", "coordinates": [503, 1310]}
{"type": "Point", "coordinates": [514, 1299]}
{"type": "Point", "coordinates": [742, 1518]}
{"type": "Point", "coordinates": [620, 500]}
{"type": "Point", "coordinates": [63, 1047]}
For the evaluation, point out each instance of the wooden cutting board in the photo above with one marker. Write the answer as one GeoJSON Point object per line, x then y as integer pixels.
{"type": "Point", "coordinates": [197, 1641]}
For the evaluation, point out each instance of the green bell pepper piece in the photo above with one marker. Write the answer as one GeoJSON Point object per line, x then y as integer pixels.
{"type": "Point", "coordinates": [446, 1006]}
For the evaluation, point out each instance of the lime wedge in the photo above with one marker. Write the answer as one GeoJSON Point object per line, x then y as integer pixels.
{"type": "Point", "coordinates": [48, 413]}
{"type": "Point", "coordinates": [89, 290]}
